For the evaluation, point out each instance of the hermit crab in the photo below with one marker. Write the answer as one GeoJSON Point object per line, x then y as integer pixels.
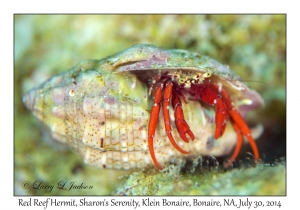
{"type": "Point", "coordinates": [132, 109]}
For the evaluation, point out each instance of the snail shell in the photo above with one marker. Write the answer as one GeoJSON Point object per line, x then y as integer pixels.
{"type": "Point", "coordinates": [101, 107]}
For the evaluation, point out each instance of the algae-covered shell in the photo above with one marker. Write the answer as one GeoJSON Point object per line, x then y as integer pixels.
{"type": "Point", "coordinates": [101, 107]}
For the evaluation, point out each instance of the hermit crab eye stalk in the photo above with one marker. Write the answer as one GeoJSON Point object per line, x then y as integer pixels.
{"type": "Point", "coordinates": [181, 80]}
{"type": "Point", "coordinates": [207, 74]}
{"type": "Point", "coordinates": [201, 77]}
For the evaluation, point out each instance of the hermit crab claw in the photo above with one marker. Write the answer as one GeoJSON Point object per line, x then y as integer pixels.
{"type": "Point", "coordinates": [181, 124]}
{"type": "Point", "coordinates": [214, 95]}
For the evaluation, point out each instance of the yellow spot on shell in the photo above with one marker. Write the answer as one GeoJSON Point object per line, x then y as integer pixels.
{"type": "Point", "coordinates": [100, 78]}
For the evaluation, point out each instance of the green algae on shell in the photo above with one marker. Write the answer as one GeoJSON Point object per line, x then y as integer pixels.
{"type": "Point", "coordinates": [101, 107]}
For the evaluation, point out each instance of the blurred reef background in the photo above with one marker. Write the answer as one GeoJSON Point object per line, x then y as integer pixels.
{"type": "Point", "coordinates": [252, 45]}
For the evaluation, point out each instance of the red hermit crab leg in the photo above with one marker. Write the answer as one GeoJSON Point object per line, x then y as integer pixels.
{"type": "Point", "coordinates": [157, 96]}
{"type": "Point", "coordinates": [238, 146]}
{"type": "Point", "coordinates": [166, 104]}
{"type": "Point", "coordinates": [208, 93]}
{"type": "Point", "coordinates": [239, 121]}
{"type": "Point", "coordinates": [153, 122]}
{"type": "Point", "coordinates": [180, 122]}
{"type": "Point", "coordinates": [221, 118]}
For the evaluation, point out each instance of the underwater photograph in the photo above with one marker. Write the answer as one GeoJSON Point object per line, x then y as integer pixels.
{"type": "Point", "coordinates": [168, 104]}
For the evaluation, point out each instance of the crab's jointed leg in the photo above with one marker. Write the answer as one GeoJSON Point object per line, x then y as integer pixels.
{"type": "Point", "coordinates": [180, 122]}
{"type": "Point", "coordinates": [209, 94]}
{"type": "Point", "coordinates": [155, 79]}
{"type": "Point", "coordinates": [166, 104]}
{"type": "Point", "coordinates": [240, 123]}
{"type": "Point", "coordinates": [153, 122]}
{"type": "Point", "coordinates": [221, 117]}
{"type": "Point", "coordinates": [238, 146]}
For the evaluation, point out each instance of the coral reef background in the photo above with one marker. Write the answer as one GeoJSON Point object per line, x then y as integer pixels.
{"type": "Point", "coordinates": [252, 45]}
